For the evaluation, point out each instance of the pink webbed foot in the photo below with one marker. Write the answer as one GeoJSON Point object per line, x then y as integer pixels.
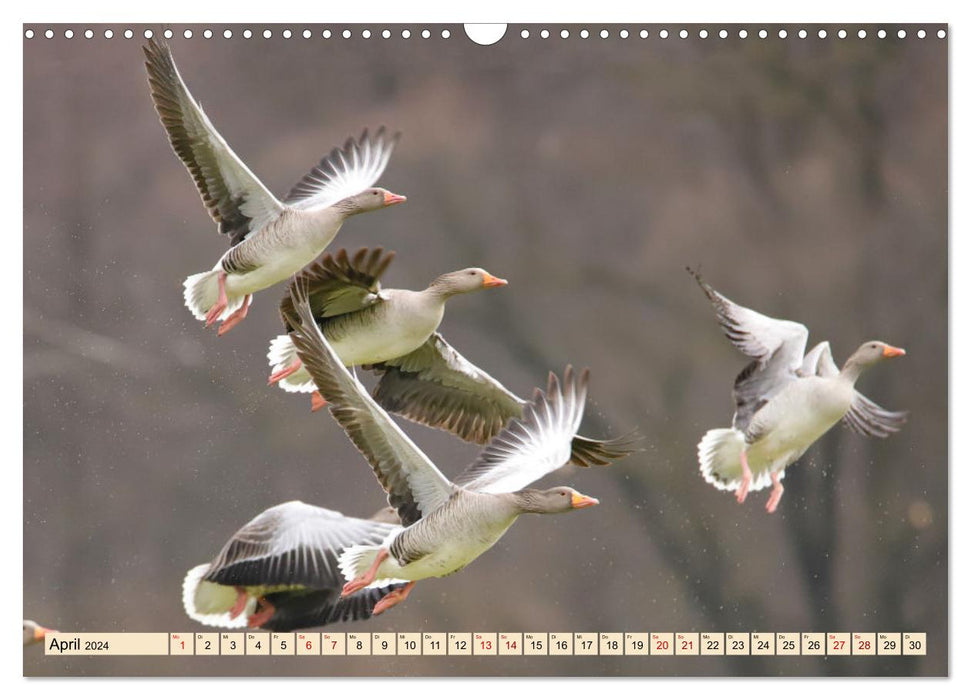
{"type": "Point", "coordinates": [265, 610]}
{"type": "Point", "coordinates": [393, 598]}
{"type": "Point", "coordinates": [742, 491]}
{"type": "Point", "coordinates": [216, 310]}
{"type": "Point", "coordinates": [240, 604]}
{"type": "Point", "coordinates": [776, 495]}
{"type": "Point", "coordinates": [367, 579]}
{"type": "Point", "coordinates": [286, 372]}
{"type": "Point", "coordinates": [235, 317]}
{"type": "Point", "coordinates": [317, 401]}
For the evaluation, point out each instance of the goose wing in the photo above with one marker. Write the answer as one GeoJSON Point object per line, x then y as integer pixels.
{"type": "Point", "coordinates": [339, 284]}
{"type": "Point", "coordinates": [414, 485]}
{"type": "Point", "coordinates": [536, 444]}
{"type": "Point", "coordinates": [344, 172]}
{"type": "Point", "coordinates": [235, 198]}
{"type": "Point", "coordinates": [292, 544]}
{"type": "Point", "coordinates": [867, 418]}
{"type": "Point", "coordinates": [764, 339]}
{"type": "Point", "coordinates": [302, 609]}
{"type": "Point", "coordinates": [437, 387]}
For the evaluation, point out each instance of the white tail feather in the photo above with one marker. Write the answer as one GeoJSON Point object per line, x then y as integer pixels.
{"type": "Point", "coordinates": [720, 457]}
{"type": "Point", "coordinates": [201, 291]}
{"type": "Point", "coordinates": [355, 560]}
{"type": "Point", "coordinates": [282, 354]}
{"type": "Point", "coordinates": [210, 603]}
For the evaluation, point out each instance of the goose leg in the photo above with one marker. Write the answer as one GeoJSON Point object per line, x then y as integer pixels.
{"type": "Point", "coordinates": [215, 311]}
{"type": "Point", "coordinates": [237, 316]}
{"type": "Point", "coordinates": [286, 372]}
{"type": "Point", "coordinates": [240, 604]}
{"type": "Point", "coordinates": [742, 490]}
{"type": "Point", "coordinates": [368, 577]}
{"type": "Point", "coordinates": [776, 496]}
{"type": "Point", "coordinates": [317, 401]}
{"type": "Point", "coordinates": [258, 619]}
{"type": "Point", "coordinates": [393, 598]}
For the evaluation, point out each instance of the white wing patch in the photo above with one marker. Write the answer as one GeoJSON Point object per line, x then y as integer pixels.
{"type": "Point", "coordinates": [345, 172]}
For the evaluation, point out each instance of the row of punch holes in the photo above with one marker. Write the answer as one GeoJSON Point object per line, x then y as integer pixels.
{"type": "Point", "coordinates": [489, 36]}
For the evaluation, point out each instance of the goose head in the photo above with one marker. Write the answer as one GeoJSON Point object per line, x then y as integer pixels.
{"type": "Point", "coordinates": [463, 281]}
{"type": "Point", "coordinates": [559, 499]}
{"type": "Point", "coordinates": [369, 200]}
{"type": "Point", "coordinates": [870, 353]}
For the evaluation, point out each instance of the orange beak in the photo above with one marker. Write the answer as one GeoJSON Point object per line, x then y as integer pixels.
{"type": "Point", "coordinates": [891, 351]}
{"type": "Point", "coordinates": [490, 281]}
{"type": "Point", "coordinates": [392, 198]}
{"type": "Point", "coordinates": [39, 633]}
{"type": "Point", "coordinates": [580, 501]}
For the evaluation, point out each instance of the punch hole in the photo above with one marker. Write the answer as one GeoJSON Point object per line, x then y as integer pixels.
{"type": "Point", "coordinates": [644, 34]}
{"type": "Point", "coordinates": [287, 34]}
{"type": "Point", "coordinates": [703, 33]}
{"type": "Point", "coordinates": [425, 33]}
{"type": "Point", "coordinates": [109, 34]}
{"type": "Point", "coordinates": [841, 33]}
{"type": "Point", "coordinates": [742, 34]}
{"type": "Point", "coordinates": [247, 34]}
{"type": "Point", "coordinates": [187, 34]}
{"type": "Point", "coordinates": [545, 34]}
{"type": "Point", "coordinates": [167, 34]}
{"type": "Point", "coordinates": [486, 34]}
{"type": "Point", "coordinates": [446, 34]}
{"type": "Point", "coordinates": [803, 33]}
{"type": "Point", "coordinates": [307, 34]}
{"type": "Point", "coordinates": [882, 34]}
{"type": "Point", "coordinates": [326, 34]}
{"type": "Point", "coordinates": [89, 34]}
{"type": "Point", "coordinates": [207, 34]}
{"type": "Point", "coordinates": [405, 33]}
{"type": "Point", "coordinates": [941, 34]}
{"type": "Point", "coordinates": [901, 34]}
{"type": "Point", "coordinates": [149, 34]}
{"type": "Point", "coordinates": [921, 34]}
{"type": "Point", "coordinates": [564, 34]}
{"type": "Point", "coordinates": [821, 34]}
{"type": "Point", "coordinates": [861, 33]}
{"type": "Point", "coordinates": [584, 34]}
{"type": "Point", "coordinates": [624, 33]}
{"type": "Point", "coordinates": [683, 33]}
{"type": "Point", "coordinates": [723, 34]}
{"type": "Point", "coordinates": [604, 34]}
{"type": "Point", "coordinates": [763, 34]}
{"type": "Point", "coordinates": [227, 34]}
{"type": "Point", "coordinates": [783, 33]}
{"type": "Point", "coordinates": [346, 34]}
{"type": "Point", "coordinates": [366, 34]}
{"type": "Point", "coordinates": [29, 34]}
{"type": "Point", "coordinates": [524, 34]}
{"type": "Point", "coordinates": [386, 34]}
{"type": "Point", "coordinates": [129, 33]}
{"type": "Point", "coordinates": [49, 34]}
{"type": "Point", "coordinates": [68, 34]}
{"type": "Point", "coordinates": [663, 33]}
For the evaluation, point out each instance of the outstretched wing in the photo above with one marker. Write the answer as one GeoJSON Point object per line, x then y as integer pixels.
{"type": "Point", "coordinates": [414, 485]}
{"type": "Point", "coordinates": [867, 418]}
{"type": "Point", "coordinates": [338, 284]}
{"type": "Point", "coordinates": [534, 445]}
{"type": "Point", "coordinates": [235, 198]}
{"type": "Point", "coordinates": [294, 610]}
{"type": "Point", "coordinates": [437, 387]}
{"type": "Point", "coordinates": [292, 544]}
{"type": "Point", "coordinates": [760, 337]}
{"type": "Point", "coordinates": [345, 172]}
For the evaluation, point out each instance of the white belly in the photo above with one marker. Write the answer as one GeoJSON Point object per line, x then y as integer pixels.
{"type": "Point", "coordinates": [795, 419]}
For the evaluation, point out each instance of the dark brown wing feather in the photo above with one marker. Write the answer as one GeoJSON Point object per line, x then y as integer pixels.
{"type": "Point", "coordinates": [339, 284]}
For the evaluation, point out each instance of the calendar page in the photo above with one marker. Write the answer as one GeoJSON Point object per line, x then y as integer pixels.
{"type": "Point", "coordinates": [507, 350]}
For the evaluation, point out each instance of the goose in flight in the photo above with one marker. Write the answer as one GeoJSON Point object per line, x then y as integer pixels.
{"type": "Point", "coordinates": [270, 240]}
{"type": "Point", "coordinates": [280, 572]}
{"type": "Point", "coordinates": [444, 524]}
{"type": "Point", "coordinates": [785, 400]}
{"type": "Point", "coordinates": [394, 333]}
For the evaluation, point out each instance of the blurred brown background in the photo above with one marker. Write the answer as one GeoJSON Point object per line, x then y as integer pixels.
{"type": "Point", "coordinates": [807, 179]}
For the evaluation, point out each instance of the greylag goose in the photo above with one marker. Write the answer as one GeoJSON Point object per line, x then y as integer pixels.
{"type": "Point", "coordinates": [34, 633]}
{"type": "Point", "coordinates": [394, 333]}
{"type": "Point", "coordinates": [785, 400]}
{"type": "Point", "coordinates": [445, 525]}
{"type": "Point", "coordinates": [270, 240]}
{"type": "Point", "coordinates": [364, 323]}
{"type": "Point", "coordinates": [280, 572]}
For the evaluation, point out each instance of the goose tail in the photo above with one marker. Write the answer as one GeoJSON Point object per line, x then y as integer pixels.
{"type": "Point", "coordinates": [719, 456]}
{"type": "Point", "coordinates": [283, 354]}
{"type": "Point", "coordinates": [209, 603]}
{"type": "Point", "coordinates": [355, 560]}
{"type": "Point", "coordinates": [201, 291]}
